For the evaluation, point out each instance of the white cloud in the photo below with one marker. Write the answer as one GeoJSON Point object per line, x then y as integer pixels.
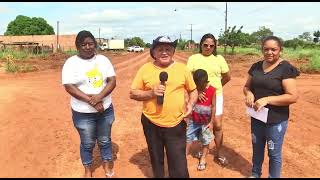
{"type": "Point", "coordinates": [4, 9]}
{"type": "Point", "coordinates": [108, 15]}
{"type": "Point", "coordinates": [308, 23]}
{"type": "Point", "coordinates": [195, 5]}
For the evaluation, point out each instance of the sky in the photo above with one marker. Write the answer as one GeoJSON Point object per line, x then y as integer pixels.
{"type": "Point", "coordinates": [148, 20]}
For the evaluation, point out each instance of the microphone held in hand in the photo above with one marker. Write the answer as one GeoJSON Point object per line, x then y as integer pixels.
{"type": "Point", "coordinates": [163, 78]}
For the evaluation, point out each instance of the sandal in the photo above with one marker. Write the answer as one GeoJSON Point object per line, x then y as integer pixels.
{"type": "Point", "coordinates": [202, 166]}
{"type": "Point", "coordinates": [221, 160]}
{"type": "Point", "coordinates": [198, 155]}
{"type": "Point", "coordinates": [110, 174]}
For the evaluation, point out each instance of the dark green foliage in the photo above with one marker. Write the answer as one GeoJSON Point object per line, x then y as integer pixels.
{"type": "Point", "coordinates": [24, 25]}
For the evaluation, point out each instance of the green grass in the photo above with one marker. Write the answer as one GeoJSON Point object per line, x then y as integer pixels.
{"type": "Point", "coordinates": [71, 52]}
{"type": "Point", "coordinates": [315, 62]}
{"type": "Point", "coordinates": [299, 53]}
{"type": "Point", "coordinates": [310, 54]}
{"type": "Point", "coordinates": [240, 50]}
{"type": "Point", "coordinates": [21, 55]}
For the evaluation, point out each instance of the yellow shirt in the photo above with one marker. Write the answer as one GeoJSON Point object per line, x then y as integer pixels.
{"type": "Point", "coordinates": [179, 79]}
{"type": "Point", "coordinates": [214, 65]}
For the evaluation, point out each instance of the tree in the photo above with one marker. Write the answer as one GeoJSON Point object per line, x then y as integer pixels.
{"type": "Point", "coordinates": [306, 36]}
{"type": "Point", "coordinates": [135, 41]}
{"type": "Point", "coordinates": [234, 37]}
{"type": "Point", "coordinates": [24, 25]}
{"type": "Point", "coordinates": [316, 34]}
{"type": "Point", "coordinates": [182, 44]}
{"type": "Point", "coordinates": [294, 43]}
{"type": "Point", "coordinates": [148, 45]}
{"type": "Point", "coordinates": [259, 35]}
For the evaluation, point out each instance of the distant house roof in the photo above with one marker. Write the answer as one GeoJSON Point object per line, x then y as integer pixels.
{"type": "Point", "coordinates": [21, 43]}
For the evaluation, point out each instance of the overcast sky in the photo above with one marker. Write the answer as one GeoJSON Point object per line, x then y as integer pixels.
{"type": "Point", "coordinates": [149, 20]}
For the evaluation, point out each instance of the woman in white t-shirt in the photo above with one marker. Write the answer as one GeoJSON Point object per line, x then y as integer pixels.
{"type": "Point", "coordinates": [90, 78]}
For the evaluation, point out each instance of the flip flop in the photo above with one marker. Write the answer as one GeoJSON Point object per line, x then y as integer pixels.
{"type": "Point", "coordinates": [221, 160]}
{"type": "Point", "coordinates": [198, 155]}
{"type": "Point", "coordinates": [110, 174]}
{"type": "Point", "coordinates": [202, 166]}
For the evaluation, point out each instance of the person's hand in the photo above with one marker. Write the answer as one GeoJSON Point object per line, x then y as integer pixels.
{"type": "Point", "coordinates": [260, 103]}
{"type": "Point", "coordinates": [202, 97]}
{"type": "Point", "coordinates": [210, 126]}
{"type": "Point", "coordinates": [189, 109]}
{"type": "Point", "coordinates": [159, 90]}
{"type": "Point", "coordinates": [99, 107]}
{"type": "Point", "coordinates": [95, 99]}
{"type": "Point", "coordinates": [187, 120]}
{"type": "Point", "coordinates": [249, 99]}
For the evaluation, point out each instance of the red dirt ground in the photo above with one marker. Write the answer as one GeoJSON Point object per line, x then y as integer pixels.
{"type": "Point", "coordinates": [38, 138]}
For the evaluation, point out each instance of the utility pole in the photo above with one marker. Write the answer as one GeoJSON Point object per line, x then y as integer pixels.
{"type": "Point", "coordinates": [225, 30]}
{"type": "Point", "coordinates": [191, 37]}
{"type": "Point", "coordinates": [99, 37]}
{"type": "Point", "coordinates": [58, 36]}
{"type": "Point", "coordinates": [191, 32]}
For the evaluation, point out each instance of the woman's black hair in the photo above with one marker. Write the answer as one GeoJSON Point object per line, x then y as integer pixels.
{"type": "Point", "coordinates": [200, 77]}
{"type": "Point", "coordinates": [206, 36]}
{"type": "Point", "coordinates": [274, 38]}
{"type": "Point", "coordinates": [82, 35]}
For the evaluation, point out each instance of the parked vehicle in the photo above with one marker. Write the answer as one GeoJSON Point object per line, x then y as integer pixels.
{"type": "Point", "coordinates": [135, 49]}
{"type": "Point", "coordinates": [112, 44]}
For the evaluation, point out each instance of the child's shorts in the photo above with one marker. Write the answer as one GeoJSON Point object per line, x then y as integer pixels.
{"type": "Point", "coordinates": [198, 132]}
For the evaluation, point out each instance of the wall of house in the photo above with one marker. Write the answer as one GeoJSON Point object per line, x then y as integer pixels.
{"type": "Point", "coordinates": [66, 42]}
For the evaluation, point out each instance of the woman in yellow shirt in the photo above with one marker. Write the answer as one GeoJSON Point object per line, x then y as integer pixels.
{"type": "Point", "coordinates": [218, 73]}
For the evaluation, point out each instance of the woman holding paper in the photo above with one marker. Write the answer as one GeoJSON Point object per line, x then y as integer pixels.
{"type": "Point", "coordinates": [271, 86]}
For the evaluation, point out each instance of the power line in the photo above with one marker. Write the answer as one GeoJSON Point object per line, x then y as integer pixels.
{"type": "Point", "coordinates": [225, 30]}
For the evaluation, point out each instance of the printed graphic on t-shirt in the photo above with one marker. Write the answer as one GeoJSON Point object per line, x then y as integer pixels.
{"type": "Point", "coordinates": [95, 77]}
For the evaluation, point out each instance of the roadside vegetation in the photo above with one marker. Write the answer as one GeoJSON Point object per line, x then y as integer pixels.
{"type": "Point", "coordinates": [304, 48]}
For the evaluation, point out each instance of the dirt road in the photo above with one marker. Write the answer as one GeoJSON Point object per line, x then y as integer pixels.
{"type": "Point", "coordinates": [38, 138]}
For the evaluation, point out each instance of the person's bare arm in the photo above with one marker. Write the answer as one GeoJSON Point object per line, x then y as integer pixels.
{"type": "Point", "coordinates": [193, 97]}
{"type": "Point", "coordinates": [289, 97]}
{"type": "Point", "coordinates": [111, 84]}
{"type": "Point", "coordinates": [226, 77]}
{"type": "Point", "coordinates": [213, 112]}
{"type": "Point", "coordinates": [142, 95]}
{"type": "Point", "coordinates": [77, 93]}
{"type": "Point", "coordinates": [249, 97]}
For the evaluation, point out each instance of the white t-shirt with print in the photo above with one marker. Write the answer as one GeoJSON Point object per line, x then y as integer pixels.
{"type": "Point", "coordinates": [89, 75]}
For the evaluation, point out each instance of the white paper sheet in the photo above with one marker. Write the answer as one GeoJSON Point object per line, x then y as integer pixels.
{"type": "Point", "coordinates": [261, 115]}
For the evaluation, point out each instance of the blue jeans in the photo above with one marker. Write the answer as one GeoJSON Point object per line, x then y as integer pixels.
{"type": "Point", "coordinates": [92, 127]}
{"type": "Point", "coordinates": [273, 134]}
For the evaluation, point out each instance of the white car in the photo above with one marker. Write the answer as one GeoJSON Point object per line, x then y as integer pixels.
{"type": "Point", "coordinates": [130, 49]}
{"type": "Point", "coordinates": [135, 49]}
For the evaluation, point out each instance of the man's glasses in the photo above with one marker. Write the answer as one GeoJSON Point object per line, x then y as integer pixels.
{"type": "Point", "coordinates": [207, 45]}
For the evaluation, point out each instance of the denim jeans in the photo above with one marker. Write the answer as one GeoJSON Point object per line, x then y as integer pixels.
{"type": "Point", "coordinates": [199, 132]}
{"type": "Point", "coordinates": [273, 135]}
{"type": "Point", "coordinates": [94, 127]}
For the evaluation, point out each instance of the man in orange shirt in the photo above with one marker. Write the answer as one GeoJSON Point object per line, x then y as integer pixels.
{"type": "Point", "coordinates": [163, 124]}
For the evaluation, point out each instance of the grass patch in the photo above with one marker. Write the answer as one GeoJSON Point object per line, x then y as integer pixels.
{"type": "Point", "coordinates": [299, 53]}
{"type": "Point", "coordinates": [71, 52]}
{"type": "Point", "coordinates": [21, 55]}
{"type": "Point", "coordinates": [10, 65]}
